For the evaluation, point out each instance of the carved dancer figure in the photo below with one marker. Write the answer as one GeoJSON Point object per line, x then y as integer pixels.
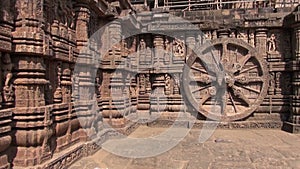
{"type": "Point", "coordinates": [7, 66]}
{"type": "Point", "coordinates": [271, 43]}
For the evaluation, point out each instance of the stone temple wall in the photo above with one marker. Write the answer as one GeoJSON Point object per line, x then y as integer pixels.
{"type": "Point", "coordinates": [61, 82]}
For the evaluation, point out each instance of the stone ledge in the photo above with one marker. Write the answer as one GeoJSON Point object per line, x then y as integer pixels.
{"type": "Point", "coordinates": [264, 124]}
{"type": "Point", "coordinates": [291, 127]}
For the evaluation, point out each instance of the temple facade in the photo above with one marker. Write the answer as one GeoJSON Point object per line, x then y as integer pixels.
{"type": "Point", "coordinates": [70, 68]}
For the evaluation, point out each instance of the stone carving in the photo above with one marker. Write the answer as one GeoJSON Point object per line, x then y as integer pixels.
{"type": "Point", "coordinates": [124, 48]}
{"type": "Point", "coordinates": [232, 34]}
{"type": "Point", "coordinates": [65, 13]}
{"type": "Point", "coordinates": [252, 39]}
{"type": "Point", "coordinates": [40, 40]}
{"type": "Point", "coordinates": [8, 93]}
{"type": "Point", "coordinates": [208, 35]}
{"type": "Point", "coordinates": [178, 48]}
{"type": "Point", "coordinates": [242, 35]}
{"type": "Point", "coordinates": [277, 83]}
{"type": "Point", "coordinates": [238, 70]}
{"type": "Point", "coordinates": [271, 41]}
{"type": "Point", "coordinates": [142, 45]}
{"type": "Point", "coordinates": [167, 84]}
{"type": "Point", "coordinates": [168, 48]}
{"type": "Point", "coordinates": [58, 92]}
{"type": "Point", "coordinates": [272, 83]}
{"type": "Point", "coordinates": [214, 35]}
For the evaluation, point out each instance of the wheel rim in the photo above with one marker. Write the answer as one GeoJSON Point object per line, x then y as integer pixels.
{"type": "Point", "coordinates": [239, 90]}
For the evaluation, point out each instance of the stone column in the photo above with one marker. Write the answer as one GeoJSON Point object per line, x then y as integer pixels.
{"type": "Point", "coordinates": [158, 43]}
{"type": "Point", "coordinates": [293, 124]}
{"type": "Point", "coordinates": [261, 41]}
{"type": "Point", "coordinates": [82, 23]}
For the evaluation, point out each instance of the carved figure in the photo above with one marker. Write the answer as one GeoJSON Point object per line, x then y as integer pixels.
{"type": "Point", "coordinates": [7, 68]}
{"type": "Point", "coordinates": [167, 46]}
{"type": "Point", "coordinates": [142, 45]}
{"type": "Point", "coordinates": [8, 93]}
{"type": "Point", "coordinates": [271, 43]}
{"type": "Point", "coordinates": [252, 39]}
{"type": "Point", "coordinates": [65, 13]}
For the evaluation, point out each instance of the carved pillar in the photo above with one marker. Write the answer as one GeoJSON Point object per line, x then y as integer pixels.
{"type": "Point", "coordinates": [159, 98]}
{"type": "Point", "coordinates": [30, 85]}
{"type": "Point", "coordinates": [143, 105]}
{"type": "Point", "coordinates": [261, 41]}
{"type": "Point", "coordinates": [191, 43]}
{"type": "Point", "coordinates": [66, 83]}
{"type": "Point", "coordinates": [293, 124]}
{"type": "Point", "coordinates": [158, 43]}
{"type": "Point", "coordinates": [82, 23]}
{"type": "Point", "coordinates": [86, 89]}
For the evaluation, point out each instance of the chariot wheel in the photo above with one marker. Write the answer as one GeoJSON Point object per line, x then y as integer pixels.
{"type": "Point", "coordinates": [225, 79]}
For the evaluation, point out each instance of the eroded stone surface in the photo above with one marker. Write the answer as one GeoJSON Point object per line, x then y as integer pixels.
{"type": "Point", "coordinates": [247, 149]}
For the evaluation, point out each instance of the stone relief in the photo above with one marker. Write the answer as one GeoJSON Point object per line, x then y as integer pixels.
{"type": "Point", "coordinates": [8, 92]}
{"type": "Point", "coordinates": [26, 83]}
{"type": "Point", "coordinates": [167, 54]}
{"type": "Point", "coordinates": [167, 84]}
{"type": "Point", "coordinates": [178, 48]}
{"type": "Point", "coordinates": [271, 41]}
{"type": "Point", "coordinates": [58, 92]}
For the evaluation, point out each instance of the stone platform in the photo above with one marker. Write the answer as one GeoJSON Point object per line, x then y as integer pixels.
{"type": "Point", "coordinates": [226, 148]}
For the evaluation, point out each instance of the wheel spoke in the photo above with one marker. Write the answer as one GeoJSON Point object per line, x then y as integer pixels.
{"type": "Point", "coordinates": [198, 69]}
{"type": "Point", "coordinates": [245, 59]}
{"type": "Point", "coordinates": [238, 93]}
{"type": "Point", "coordinates": [247, 69]}
{"type": "Point", "coordinates": [251, 89]}
{"type": "Point", "coordinates": [233, 103]}
{"type": "Point", "coordinates": [204, 99]}
{"type": "Point", "coordinates": [202, 88]}
{"type": "Point", "coordinates": [244, 80]}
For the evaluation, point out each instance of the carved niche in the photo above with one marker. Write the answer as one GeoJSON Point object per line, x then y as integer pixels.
{"type": "Point", "coordinates": [7, 90]}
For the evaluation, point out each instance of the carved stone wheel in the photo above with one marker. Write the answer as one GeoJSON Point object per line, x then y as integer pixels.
{"type": "Point", "coordinates": [226, 79]}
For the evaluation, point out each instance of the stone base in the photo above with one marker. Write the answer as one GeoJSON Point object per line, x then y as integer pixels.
{"type": "Point", "coordinates": [4, 162]}
{"type": "Point", "coordinates": [30, 156]}
{"type": "Point", "coordinates": [291, 127]}
{"type": "Point", "coordinates": [198, 124]}
{"type": "Point", "coordinates": [75, 152]}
